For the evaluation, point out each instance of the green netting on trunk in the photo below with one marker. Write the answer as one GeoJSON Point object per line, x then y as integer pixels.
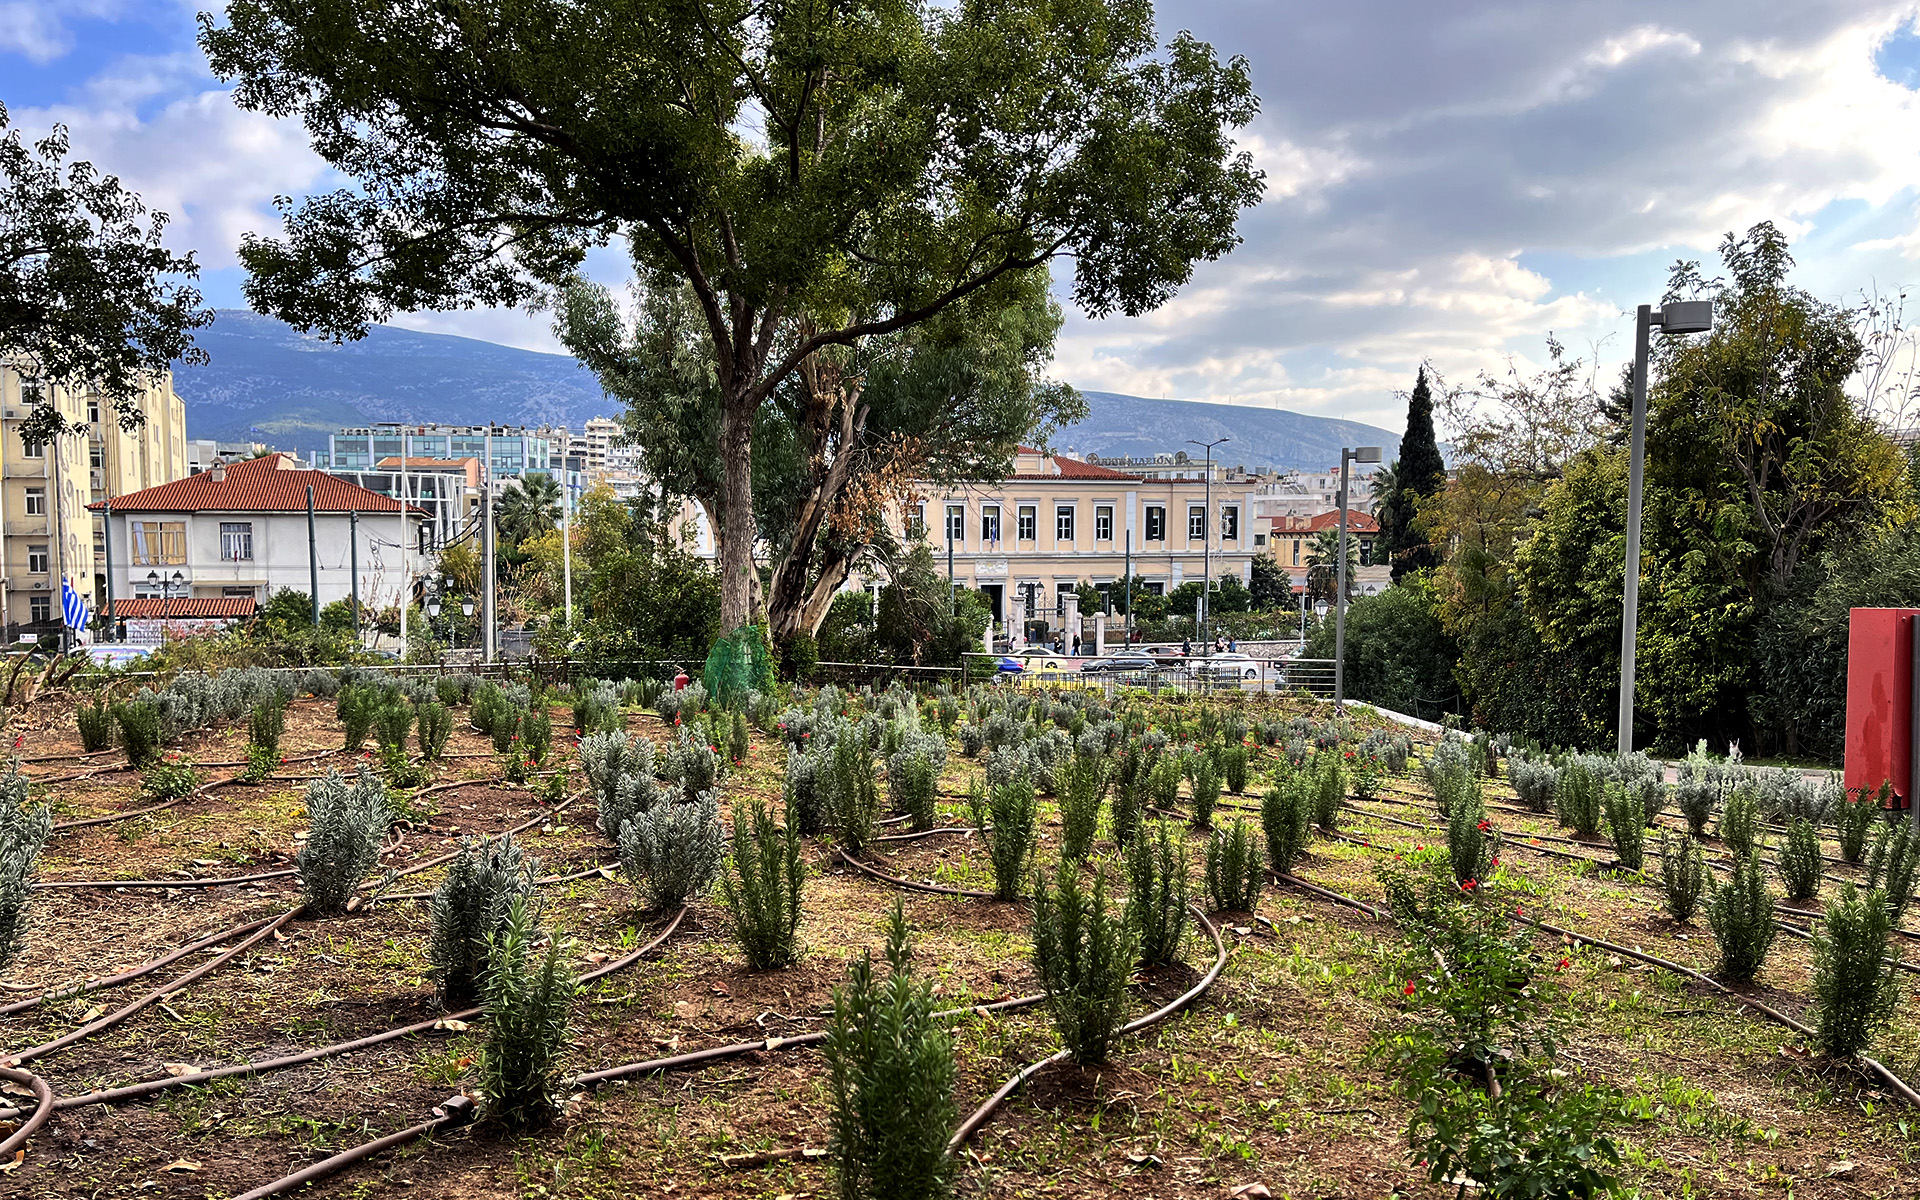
{"type": "Point", "coordinates": [738, 664]}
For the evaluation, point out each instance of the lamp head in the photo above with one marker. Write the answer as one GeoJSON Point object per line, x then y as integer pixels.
{"type": "Point", "coordinates": [153, 579]}
{"type": "Point", "coordinates": [1366, 454]}
{"type": "Point", "coordinates": [1686, 316]}
{"type": "Point", "coordinates": [466, 607]}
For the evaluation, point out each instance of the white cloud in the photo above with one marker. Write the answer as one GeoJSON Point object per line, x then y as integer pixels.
{"type": "Point", "coordinates": [38, 30]}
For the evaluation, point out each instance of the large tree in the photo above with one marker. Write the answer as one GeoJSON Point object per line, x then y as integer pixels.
{"type": "Point", "coordinates": [818, 173]}
{"type": "Point", "coordinates": [1417, 474]}
{"type": "Point", "coordinates": [89, 298]}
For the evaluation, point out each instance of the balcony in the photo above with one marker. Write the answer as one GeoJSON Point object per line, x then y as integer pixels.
{"type": "Point", "coordinates": [29, 527]}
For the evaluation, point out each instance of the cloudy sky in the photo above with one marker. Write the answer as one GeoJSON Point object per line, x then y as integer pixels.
{"type": "Point", "coordinates": [1448, 182]}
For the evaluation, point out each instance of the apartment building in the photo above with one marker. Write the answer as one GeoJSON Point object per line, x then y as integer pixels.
{"type": "Point", "coordinates": [447, 490]}
{"type": "Point", "coordinates": [202, 453]}
{"type": "Point", "coordinates": [1310, 493]}
{"type": "Point", "coordinates": [1030, 541]}
{"type": "Point", "coordinates": [46, 531]}
{"type": "Point", "coordinates": [1290, 540]}
{"type": "Point", "coordinates": [504, 451]}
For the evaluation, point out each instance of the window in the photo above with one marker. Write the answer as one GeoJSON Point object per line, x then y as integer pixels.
{"type": "Point", "coordinates": [93, 412]}
{"type": "Point", "coordinates": [1063, 523]}
{"type": "Point", "coordinates": [1366, 552]}
{"type": "Point", "coordinates": [34, 449]}
{"type": "Point", "coordinates": [159, 543]}
{"type": "Point", "coordinates": [1156, 523]}
{"type": "Point", "coordinates": [990, 522]}
{"type": "Point", "coordinates": [1230, 523]}
{"type": "Point", "coordinates": [1259, 539]}
{"type": "Point", "coordinates": [1103, 523]}
{"type": "Point", "coordinates": [1029, 519]}
{"type": "Point", "coordinates": [237, 591]}
{"type": "Point", "coordinates": [1106, 597]}
{"type": "Point", "coordinates": [1296, 552]}
{"type": "Point", "coordinates": [39, 609]}
{"type": "Point", "coordinates": [956, 523]}
{"type": "Point", "coordinates": [96, 455]}
{"type": "Point", "coordinates": [236, 541]}
{"type": "Point", "coordinates": [917, 521]}
{"type": "Point", "coordinates": [36, 502]}
{"type": "Point", "coordinates": [36, 560]}
{"type": "Point", "coordinates": [1196, 523]}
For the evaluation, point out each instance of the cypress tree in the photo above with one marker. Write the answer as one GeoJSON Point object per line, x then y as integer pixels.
{"type": "Point", "coordinates": [1419, 472]}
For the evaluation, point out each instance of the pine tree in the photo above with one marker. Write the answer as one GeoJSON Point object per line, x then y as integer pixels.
{"type": "Point", "coordinates": [1419, 472]}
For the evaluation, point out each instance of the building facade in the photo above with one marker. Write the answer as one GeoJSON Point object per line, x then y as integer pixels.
{"type": "Point", "coordinates": [241, 531]}
{"type": "Point", "coordinates": [1290, 541]}
{"type": "Point", "coordinates": [447, 490]}
{"type": "Point", "coordinates": [1029, 542]}
{"type": "Point", "coordinates": [46, 531]}
{"type": "Point", "coordinates": [1310, 493]}
{"type": "Point", "coordinates": [504, 451]}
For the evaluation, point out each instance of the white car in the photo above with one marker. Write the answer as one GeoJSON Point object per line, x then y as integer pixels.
{"type": "Point", "coordinates": [1227, 666]}
{"type": "Point", "coordinates": [1033, 658]}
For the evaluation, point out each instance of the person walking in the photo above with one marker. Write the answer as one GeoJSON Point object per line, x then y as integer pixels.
{"type": "Point", "coordinates": [1186, 648]}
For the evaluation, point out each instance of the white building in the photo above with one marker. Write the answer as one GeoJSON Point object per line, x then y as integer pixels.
{"type": "Point", "coordinates": [241, 531]}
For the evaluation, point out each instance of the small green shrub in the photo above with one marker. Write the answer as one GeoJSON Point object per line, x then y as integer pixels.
{"type": "Point", "coordinates": [739, 738]}
{"type": "Point", "coordinates": [853, 800]}
{"type": "Point", "coordinates": [392, 723]}
{"type": "Point", "coordinates": [914, 784]}
{"type": "Point", "coordinates": [347, 823]}
{"type": "Point", "coordinates": [1534, 782]}
{"type": "Point", "coordinates": [1683, 874]}
{"type": "Point", "coordinates": [1013, 810]}
{"type": "Point", "coordinates": [471, 908]}
{"type": "Point", "coordinates": [172, 778]}
{"type": "Point", "coordinates": [761, 885]}
{"type": "Point", "coordinates": [435, 724]}
{"type": "Point", "coordinates": [1081, 786]}
{"type": "Point", "coordinates": [1234, 869]}
{"type": "Point", "coordinates": [139, 722]}
{"type": "Point", "coordinates": [24, 830]}
{"type": "Point", "coordinates": [1740, 822]}
{"type": "Point", "coordinates": [1740, 911]}
{"type": "Point", "coordinates": [266, 723]}
{"type": "Point", "coordinates": [1233, 768]}
{"type": "Point", "coordinates": [1329, 789]}
{"type": "Point", "coordinates": [96, 725]}
{"type": "Point", "coordinates": [1473, 848]}
{"type": "Point", "coordinates": [527, 1009]}
{"type": "Point", "coordinates": [1890, 867]}
{"type": "Point", "coordinates": [1800, 863]}
{"type": "Point", "coordinates": [1696, 798]}
{"type": "Point", "coordinates": [1159, 884]}
{"type": "Point", "coordinates": [1163, 787]}
{"type": "Point", "coordinates": [1286, 817]}
{"type": "Point", "coordinates": [355, 708]}
{"type": "Point", "coordinates": [1576, 794]}
{"type": "Point", "coordinates": [1626, 825]}
{"type": "Point", "coordinates": [536, 733]}
{"type": "Point", "coordinates": [891, 1077]}
{"type": "Point", "coordinates": [1084, 956]}
{"type": "Point", "coordinates": [1854, 987]}
{"type": "Point", "coordinates": [1853, 818]}
{"type": "Point", "coordinates": [672, 850]}
{"type": "Point", "coordinates": [1206, 789]}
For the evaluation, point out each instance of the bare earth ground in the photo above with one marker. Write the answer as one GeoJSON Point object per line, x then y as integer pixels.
{"type": "Point", "coordinates": [1264, 1080]}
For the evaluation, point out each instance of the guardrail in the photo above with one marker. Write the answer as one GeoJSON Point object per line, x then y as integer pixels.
{"type": "Point", "coordinates": [1286, 675]}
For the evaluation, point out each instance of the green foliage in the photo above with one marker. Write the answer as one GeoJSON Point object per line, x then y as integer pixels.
{"type": "Point", "coordinates": [1163, 791]}
{"type": "Point", "coordinates": [1084, 956]}
{"type": "Point", "coordinates": [1132, 785]}
{"type": "Point", "coordinates": [536, 732]}
{"type": "Point", "coordinates": [891, 1077]}
{"type": "Point", "coordinates": [737, 664]}
{"type": "Point", "coordinates": [1577, 795]}
{"type": "Point", "coordinates": [1286, 817]}
{"type": "Point", "coordinates": [392, 722]}
{"type": "Point", "coordinates": [1626, 825]}
{"type": "Point", "coordinates": [1740, 912]}
{"type": "Point", "coordinates": [96, 725]}
{"type": "Point", "coordinates": [1399, 653]}
{"type": "Point", "coordinates": [266, 722]}
{"type": "Point", "coordinates": [1740, 821]}
{"type": "Point", "coordinates": [672, 850]}
{"type": "Point", "coordinates": [527, 1009]}
{"type": "Point", "coordinates": [1855, 988]}
{"type": "Point", "coordinates": [761, 884]}
{"type": "Point", "coordinates": [1800, 862]}
{"type": "Point", "coordinates": [171, 778]}
{"type": "Point", "coordinates": [1329, 789]}
{"type": "Point", "coordinates": [913, 785]}
{"type": "Point", "coordinates": [347, 824]}
{"type": "Point", "coordinates": [1418, 473]}
{"type": "Point", "coordinates": [1472, 845]}
{"type": "Point", "coordinates": [1233, 769]}
{"type": "Point", "coordinates": [1013, 810]}
{"type": "Point", "coordinates": [1891, 866]}
{"type": "Point", "coordinates": [1854, 818]}
{"type": "Point", "coordinates": [740, 738]}
{"type": "Point", "coordinates": [356, 708]}
{"type": "Point", "coordinates": [1235, 870]}
{"type": "Point", "coordinates": [139, 722]}
{"type": "Point", "coordinates": [1159, 884]}
{"type": "Point", "coordinates": [435, 724]}
{"type": "Point", "coordinates": [1081, 785]}
{"type": "Point", "coordinates": [487, 877]}
{"type": "Point", "coordinates": [1206, 787]}
{"type": "Point", "coordinates": [24, 830]}
{"type": "Point", "coordinates": [853, 798]}
{"type": "Point", "coordinates": [1683, 874]}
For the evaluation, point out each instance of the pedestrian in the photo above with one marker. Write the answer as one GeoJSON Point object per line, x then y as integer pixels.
{"type": "Point", "coordinates": [1076, 645]}
{"type": "Point", "coordinates": [1233, 645]}
{"type": "Point", "coordinates": [1186, 648]}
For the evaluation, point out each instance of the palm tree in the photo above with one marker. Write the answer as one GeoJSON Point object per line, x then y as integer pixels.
{"type": "Point", "coordinates": [1323, 565]}
{"type": "Point", "coordinates": [527, 508]}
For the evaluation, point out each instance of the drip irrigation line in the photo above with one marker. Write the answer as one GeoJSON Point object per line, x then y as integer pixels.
{"type": "Point", "coordinates": [166, 883]}
{"type": "Point", "coordinates": [456, 1111]}
{"type": "Point", "coordinates": [980, 1115]}
{"type": "Point", "coordinates": [912, 885]}
{"type": "Point", "coordinates": [42, 1108]}
{"type": "Point", "coordinates": [153, 997]}
{"type": "Point", "coordinates": [203, 789]}
{"type": "Point", "coordinates": [908, 837]}
{"type": "Point", "coordinates": [450, 855]}
{"type": "Point", "coordinates": [97, 985]}
{"type": "Point", "coordinates": [543, 881]}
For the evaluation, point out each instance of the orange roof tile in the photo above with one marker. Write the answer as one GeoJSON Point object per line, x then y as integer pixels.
{"type": "Point", "coordinates": [185, 607]}
{"type": "Point", "coordinates": [270, 484]}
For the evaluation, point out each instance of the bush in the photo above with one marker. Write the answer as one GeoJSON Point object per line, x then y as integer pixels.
{"type": "Point", "coordinates": [1132, 784]}
{"type": "Point", "coordinates": [1233, 769]}
{"type": "Point", "coordinates": [1626, 825]}
{"type": "Point", "coordinates": [1800, 863]}
{"type": "Point", "coordinates": [1013, 811]}
{"type": "Point", "coordinates": [739, 738]}
{"type": "Point", "coordinates": [1853, 819]}
{"type": "Point", "coordinates": [486, 878]}
{"type": "Point", "coordinates": [672, 851]}
{"type": "Point", "coordinates": [266, 722]}
{"type": "Point", "coordinates": [853, 801]}
{"type": "Point", "coordinates": [1533, 781]}
{"type": "Point", "coordinates": [1740, 912]}
{"type": "Point", "coordinates": [1683, 874]}
{"type": "Point", "coordinates": [1084, 957]}
{"type": "Point", "coordinates": [761, 884]}
{"type": "Point", "coordinates": [619, 770]}
{"type": "Point", "coordinates": [435, 724]}
{"type": "Point", "coordinates": [527, 1010]}
{"type": "Point", "coordinates": [1329, 789]}
{"type": "Point", "coordinates": [1854, 987]}
{"type": "Point", "coordinates": [1286, 817]}
{"type": "Point", "coordinates": [1206, 788]}
{"type": "Point", "coordinates": [1159, 884]}
{"type": "Point", "coordinates": [96, 725]}
{"type": "Point", "coordinates": [891, 1077]}
{"type": "Point", "coordinates": [172, 778]}
{"type": "Point", "coordinates": [139, 722]}
{"type": "Point", "coordinates": [1082, 785]}
{"type": "Point", "coordinates": [1696, 799]}
{"type": "Point", "coordinates": [392, 722]}
{"type": "Point", "coordinates": [1740, 822]}
{"type": "Point", "coordinates": [491, 708]}
{"type": "Point", "coordinates": [1234, 870]}
{"type": "Point", "coordinates": [24, 829]}
{"type": "Point", "coordinates": [1577, 797]}
{"type": "Point", "coordinates": [1473, 848]}
{"type": "Point", "coordinates": [347, 822]}
{"type": "Point", "coordinates": [1890, 867]}
{"type": "Point", "coordinates": [915, 789]}
{"type": "Point", "coordinates": [536, 733]}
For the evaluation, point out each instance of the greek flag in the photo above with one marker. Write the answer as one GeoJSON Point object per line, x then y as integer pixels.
{"type": "Point", "coordinates": [73, 607]}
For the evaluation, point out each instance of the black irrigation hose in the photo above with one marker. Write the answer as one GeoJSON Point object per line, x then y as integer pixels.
{"type": "Point", "coordinates": [456, 1111]}
{"type": "Point", "coordinates": [97, 985]}
{"type": "Point", "coordinates": [203, 789]}
{"type": "Point", "coordinates": [979, 1117]}
{"type": "Point", "coordinates": [167, 883]}
{"type": "Point", "coordinates": [42, 1108]}
{"type": "Point", "coordinates": [908, 837]}
{"type": "Point", "coordinates": [912, 885]}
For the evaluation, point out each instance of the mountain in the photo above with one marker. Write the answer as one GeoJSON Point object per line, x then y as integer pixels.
{"type": "Point", "coordinates": [269, 383]}
{"type": "Point", "coordinates": [1127, 426]}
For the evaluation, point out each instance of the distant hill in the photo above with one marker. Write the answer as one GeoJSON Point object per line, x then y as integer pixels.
{"type": "Point", "coordinates": [269, 383]}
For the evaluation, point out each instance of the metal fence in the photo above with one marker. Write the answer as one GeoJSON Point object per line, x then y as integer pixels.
{"type": "Point", "coordinates": [1313, 676]}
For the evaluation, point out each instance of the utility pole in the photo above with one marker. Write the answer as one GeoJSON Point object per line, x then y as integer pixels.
{"type": "Point", "coordinates": [107, 525]}
{"type": "Point", "coordinates": [406, 593]}
{"type": "Point", "coordinates": [1129, 570]}
{"type": "Point", "coordinates": [486, 557]}
{"type": "Point", "coordinates": [353, 564]}
{"type": "Point", "coordinates": [566, 536]}
{"type": "Point", "coordinates": [313, 559]}
{"type": "Point", "coordinates": [1359, 454]}
{"type": "Point", "coordinates": [1206, 546]}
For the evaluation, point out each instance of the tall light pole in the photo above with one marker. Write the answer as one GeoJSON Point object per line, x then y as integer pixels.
{"type": "Point", "coordinates": [1679, 316]}
{"type": "Point", "coordinates": [1359, 454]}
{"type": "Point", "coordinates": [1206, 543]}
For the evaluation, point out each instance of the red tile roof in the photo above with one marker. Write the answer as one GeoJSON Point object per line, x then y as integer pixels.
{"type": "Point", "coordinates": [270, 484]}
{"type": "Point", "coordinates": [1073, 468]}
{"type": "Point", "coordinates": [1357, 522]}
{"type": "Point", "coordinates": [184, 608]}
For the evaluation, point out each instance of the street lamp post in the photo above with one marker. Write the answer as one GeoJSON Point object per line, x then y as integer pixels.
{"type": "Point", "coordinates": [166, 585]}
{"type": "Point", "coordinates": [1206, 544]}
{"type": "Point", "coordinates": [1358, 454]}
{"type": "Point", "coordinates": [1678, 317]}
{"type": "Point", "coordinates": [466, 607]}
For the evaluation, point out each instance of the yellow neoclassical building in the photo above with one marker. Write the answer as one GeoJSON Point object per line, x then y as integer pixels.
{"type": "Point", "coordinates": [1029, 541]}
{"type": "Point", "coordinates": [46, 532]}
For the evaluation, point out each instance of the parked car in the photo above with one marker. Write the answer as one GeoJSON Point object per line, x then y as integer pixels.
{"type": "Point", "coordinates": [1034, 658]}
{"type": "Point", "coordinates": [1122, 662]}
{"type": "Point", "coordinates": [1227, 666]}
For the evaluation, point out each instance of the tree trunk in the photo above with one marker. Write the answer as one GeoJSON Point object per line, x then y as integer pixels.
{"type": "Point", "coordinates": [739, 578]}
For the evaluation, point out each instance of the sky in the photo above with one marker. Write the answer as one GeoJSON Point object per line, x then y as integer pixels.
{"type": "Point", "coordinates": [1446, 183]}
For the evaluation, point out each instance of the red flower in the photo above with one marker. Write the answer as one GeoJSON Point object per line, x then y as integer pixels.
{"type": "Point", "coordinates": [1496, 860]}
{"type": "Point", "coordinates": [1564, 964]}
{"type": "Point", "coordinates": [1469, 885]}
{"type": "Point", "coordinates": [1410, 989]}
{"type": "Point", "coordinates": [1420, 847]}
